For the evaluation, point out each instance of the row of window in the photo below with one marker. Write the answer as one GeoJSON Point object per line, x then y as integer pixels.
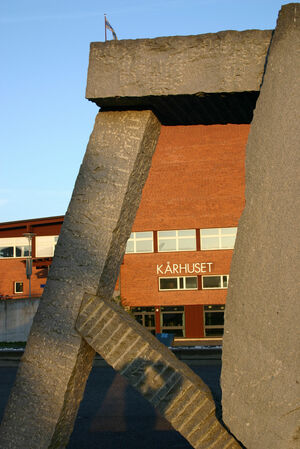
{"type": "Point", "coordinates": [18, 246]}
{"type": "Point", "coordinates": [172, 319]}
{"type": "Point", "coordinates": [139, 242]}
{"type": "Point", "coordinates": [191, 282]}
{"type": "Point", "coordinates": [181, 240]}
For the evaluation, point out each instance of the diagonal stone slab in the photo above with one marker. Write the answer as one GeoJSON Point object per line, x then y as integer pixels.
{"type": "Point", "coordinates": [168, 384]}
{"type": "Point", "coordinates": [51, 379]}
{"type": "Point", "coordinates": [261, 357]}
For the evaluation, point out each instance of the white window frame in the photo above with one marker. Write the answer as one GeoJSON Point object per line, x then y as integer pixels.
{"type": "Point", "coordinates": [219, 234]}
{"type": "Point", "coordinates": [134, 237]}
{"type": "Point", "coordinates": [214, 276]}
{"type": "Point", "coordinates": [14, 242]}
{"type": "Point", "coordinates": [178, 283]}
{"type": "Point", "coordinates": [15, 285]}
{"type": "Point", "coordinates": [40, 248]}
{"type": "Point", "coordinates": [177, 238]}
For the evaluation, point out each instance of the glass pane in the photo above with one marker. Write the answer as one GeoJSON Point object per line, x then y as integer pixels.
{"type": "Point", "coordinates": [226, 231]}
{"type": "Point", "coordinates": [214, 332]}
{"type": "Point", "coordinates": [166, 234]}
{"type": "Point", "coordinates": [213, 231]}
{"type": "Point", "coordinates": [144, 235]}
{"type": "Point", "coordinates": [187, 244]}
{"type": "Point", "coordinates": [150, 320]}
{"type": "Point", "coordinates": [172, 308]}
{"type": "Point", "coordinates": [172, 319]}
{"type": "Point", "coordinates": [225, 281]}
{"type": "Point", "coordinates": [144, 246]}
{"type": "Point", "coordinates": [168, 283]}
{"type": "Point", "coordinates": [167, 245]}
{"type": "Point", "coordinates": [214, 318]}
{"type": "Point", "coordinates": [27, 251]}
{"type": "Point", "coordinates": [211, 281]}
{"type": "Point", "coordinates": [176, 332]}
{"type": "Point", "coordinates": [210, 243]}
{"type": "Point", "coordinates": [213, 307]}
{"type": "Point", "coordinates": [19, 287]}
{"type": "Point", "coordinates": [129, 247]}
{"type": "Point", "coordinates": [7, 251]}
{"type": "Point", "coordinates": [143, 309]}
{"type": "Point", "coordinates": [228, 242]}
{"type": "Point", "coordinates": [187, 232]}
{"type": "Point", "coordinates": [22, 251]}
{"type": "Point", "coordinates": [181, 283]}
{"type": "Point", "coordinates": [191, 282]}
{"type": "Point", "coordinates": [139, 318]}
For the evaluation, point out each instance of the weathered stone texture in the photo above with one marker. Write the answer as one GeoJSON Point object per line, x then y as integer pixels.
{"type": "Point", "coordinates": [168, 384]}
{"type": "Point", "coordinates": [53, 372]}
{"type": "Point", "coordinates": [228, 61]}
{"type": "Point", "coordinates": [260, 374]}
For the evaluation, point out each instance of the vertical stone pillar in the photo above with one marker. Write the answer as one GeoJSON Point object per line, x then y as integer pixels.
{"type": "Point", "coordinates": [260, 374]}
{"type": "Point", "coordinates": [50, 382]}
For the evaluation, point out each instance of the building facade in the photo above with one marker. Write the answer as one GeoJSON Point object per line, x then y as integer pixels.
{"type": "Point", "coordinates": [175, 272]}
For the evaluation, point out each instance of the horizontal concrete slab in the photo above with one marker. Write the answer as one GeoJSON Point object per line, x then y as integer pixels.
{"type": "Point", "coordinates": [177, 77]}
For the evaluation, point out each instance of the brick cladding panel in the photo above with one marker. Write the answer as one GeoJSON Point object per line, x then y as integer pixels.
{"type": "Point", "coordinates": [197, 178]}
{"type": "Point", "coordinates": [14, 270]}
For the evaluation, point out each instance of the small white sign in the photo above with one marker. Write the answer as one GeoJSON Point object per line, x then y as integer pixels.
{"type": "Point", "coordinates": [186, 268]}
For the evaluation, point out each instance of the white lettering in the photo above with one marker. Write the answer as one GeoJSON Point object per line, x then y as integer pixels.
{"type": "Point", "coordinates": [168, 269]}
{"type": "Point", "coordinates": [158, 269]}
{"type": "Point", "coordinates": [187, 268]}
{"type": "Point", "coordinates": [182, 267]}
{"type": "Point", "coordinates": [197, 267]}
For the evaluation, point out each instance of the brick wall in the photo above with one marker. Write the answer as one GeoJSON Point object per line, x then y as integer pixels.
{"type": "Point", "coordinates": [196, 181]}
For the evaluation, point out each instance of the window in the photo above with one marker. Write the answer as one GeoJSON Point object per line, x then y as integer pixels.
{"type": "Point", "coordinates": [212, 282]}
{"type": "Point", "coordinates": [18, 287]}
{"type": "Point", "coordinates": [14, 247]}
{"type": "Point", "coordinates": [179, 283]}
{"type": "Point", "coordinates": [45, 245]}
{"type": "Point", "coordinates": [140, 242]}
{"type": "Point", "coordinates": [180, 240]}
{"type": "Point", "coordinates": [214, 320]}
{"type": "Point", "coordinates": [145, 316]}
{"type": "Point", "coordinates": [172, 320]}
{"type": "Point", "coordinates": [218, 238]}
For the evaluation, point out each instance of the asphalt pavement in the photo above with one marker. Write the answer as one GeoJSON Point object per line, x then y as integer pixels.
{"type": "Point", "coordinates": [113, 415]}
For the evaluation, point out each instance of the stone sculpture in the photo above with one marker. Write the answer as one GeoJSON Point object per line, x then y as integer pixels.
{"type": "Point", "coordinates": [76, 318]}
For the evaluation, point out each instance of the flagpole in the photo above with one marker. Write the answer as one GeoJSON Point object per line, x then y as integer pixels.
{"type": "Point", "coordinates": [105, 27]}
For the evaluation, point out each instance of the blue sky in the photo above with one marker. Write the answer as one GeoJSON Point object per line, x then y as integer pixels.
{"type": "Point", "coordinates": [45, 119]}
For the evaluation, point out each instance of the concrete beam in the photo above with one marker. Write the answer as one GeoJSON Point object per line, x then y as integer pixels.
{"type": "Point", "coordinates": [261, 358]}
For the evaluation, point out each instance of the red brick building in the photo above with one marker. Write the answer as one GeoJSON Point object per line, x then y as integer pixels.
{"type": "Point", "coordinates": [175, 271]}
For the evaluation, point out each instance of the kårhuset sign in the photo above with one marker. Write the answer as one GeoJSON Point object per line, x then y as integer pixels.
{"type": "Point", "coordinates": [186, 268]}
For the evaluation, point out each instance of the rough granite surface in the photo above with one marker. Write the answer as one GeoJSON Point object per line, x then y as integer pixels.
{"type": "Point", "coordinates": [228, 61]}
{"type": "Point", "coordinates": [51, 379]}
{"type": "Point", "coordinates": [261, 357]}
{"type": "Point", "coordinates": [168, 384]}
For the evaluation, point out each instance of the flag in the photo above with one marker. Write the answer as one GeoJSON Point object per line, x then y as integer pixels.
{"type": "Point", "coordinates": [110, 28]}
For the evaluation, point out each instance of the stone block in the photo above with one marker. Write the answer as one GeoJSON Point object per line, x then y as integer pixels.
{"type": "Point", "coordinates": [261, 361]}
{"type": "Point", "coordinates": [228, 61]}
{"type": "Point", "coordinates": [51, 379]}
{"type": "Point", "coordinates": [168, 384]}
